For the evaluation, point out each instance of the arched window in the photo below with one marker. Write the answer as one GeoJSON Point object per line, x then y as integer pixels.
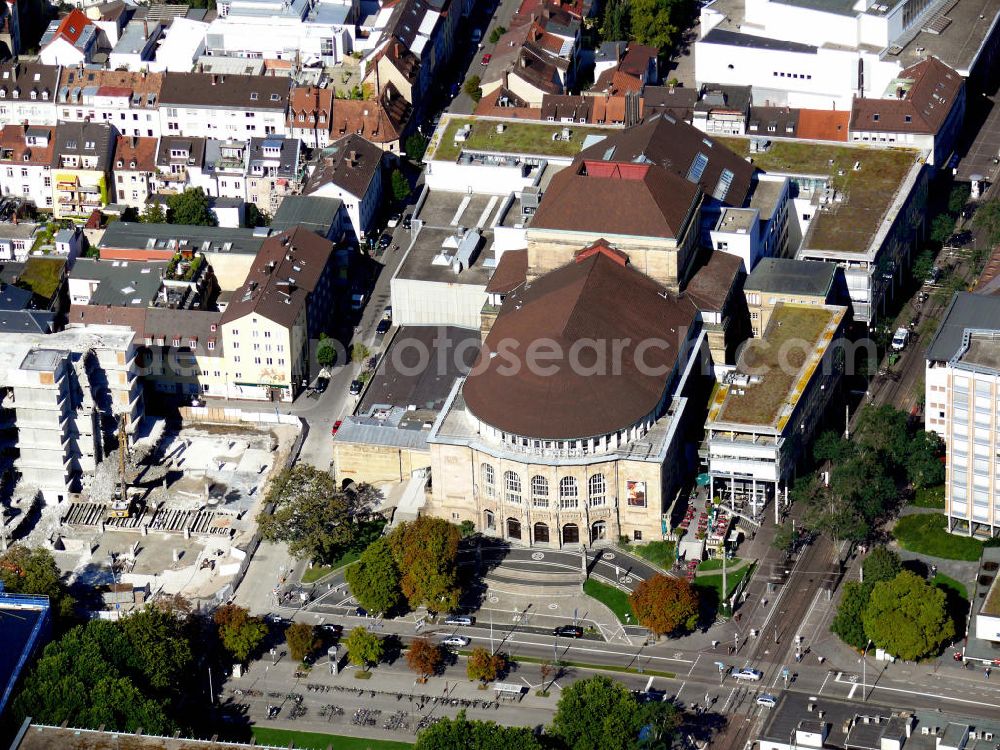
{"type": "Point", "coordinates": [569, 492]}
{"type": "Point", "coordinates": [597, 490]}
{"type": "Point", "coordinates": [512, 487]}
{"type": "Point", "coordinates": [489, 481]}
{"type": "Point", "coordinates": [539, 492]}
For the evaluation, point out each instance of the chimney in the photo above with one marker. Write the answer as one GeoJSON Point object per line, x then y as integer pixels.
{"type": "Point", "coordinates": [215, 79]}
{"type": "Point", "coordinates": [145, 29]}
{"type": "Point", "coordinates": [396, 50]}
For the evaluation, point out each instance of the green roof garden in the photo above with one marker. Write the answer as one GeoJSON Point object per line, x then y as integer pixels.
{"type": "Point", "coordinates": [515, 138]}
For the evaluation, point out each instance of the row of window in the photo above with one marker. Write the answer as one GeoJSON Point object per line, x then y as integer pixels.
{"type": "Point", "coordinates": [569, 489]}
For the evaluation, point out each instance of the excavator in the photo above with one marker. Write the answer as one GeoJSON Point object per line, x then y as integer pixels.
{"type": "Point", "coordinates": [121, 505]}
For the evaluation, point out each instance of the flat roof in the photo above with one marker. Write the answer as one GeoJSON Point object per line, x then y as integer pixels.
{"type": "Point", "coordinates": [966, 312]}
{"type": "Point", "coordinates": [774, 370]}
{"type": "Point", "coordinates": [532, 139]}
{"type": "Point", "coordinates": [848, 225]}
{"type": "Point", "coordinates": [957, 44]}
{"type": "Point", "coordinates": [40, 737]}
{"type": "Point", "coordinates": [442, 219]}
{"type": "Point", "coordinates": [791, 276]}
{"type": "Point", "coordinates": [736, 220]}
{"type": "Point", "coordinates": [838, 7]}
{"type": "Point", "coordinates": [983, 587]}
{"type": "Point", "coordinates": [121, 283]}
{"type": "Point", "coordinates": [732, 38]}
{"type": "Point", "coordinates": [19, 617]}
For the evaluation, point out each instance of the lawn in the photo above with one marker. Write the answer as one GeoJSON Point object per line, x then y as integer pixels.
{"type": "Point", "coordinates": [947, 583]}
{"type": "Point", "coordinates": [930, 497]}
{"type": "Point", "coordinates": [516, 138]}
{"type": "Point", "coordinates": [868, 191]}
{"type": "Point", "coordinates": [925, 534]}
{"type": "Point", "coordinates": [714, 583]}
{"type": "Point", "coordinates": [42, 275]}
{"type": "Point", "coordinates": [369, 532]}
{"type": "Point", "coordinates": [659, 553]}
{"type": "Point", "coordinates": [611, 597]}
{"type": "Point", "coordinates": [317, 741]}
{"type": "Point", "coordinates": [791, 337]}
{"type": "Point", "coordinates": [716, 564]}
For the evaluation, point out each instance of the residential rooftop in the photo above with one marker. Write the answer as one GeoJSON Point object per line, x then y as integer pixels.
{"type": "Point", "coordinates": [157, 239]}
{"type": "Point", "coordinates": [790, 276]}
{"type": "Point", "coordinates": [515, 138]}
{"type": "Point", "coordinates": [774, 371]}
{"type": "Point", "coordinates": [848, 225]}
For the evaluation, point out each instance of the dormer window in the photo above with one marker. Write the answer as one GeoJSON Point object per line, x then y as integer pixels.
{"type": "Point", "coordinates": [253, 96]}
{"type": "Point", "coordinates": [875, 117]}
{"type": "Point", "coordinates": [275, 98]}
{"type": "Point", "coordinates": [34, 95]}
{"type": "Point", "coordinates": [177, 340]}
{"type": "Point", "coordinates": [45, 95]}
{"type": "Point", "coordinates": [908, 118]}
{"type": "Point", "coordinates": [121, 163]}
{"type": "Point", "coordinates": [132, 164]}
{"type": "Point", "coordinates": [3, 93]}
{"type": "Point", "coordinates": [16, 93]}
{"type": "Point", "coordinates": [27, 157]}
{"type": "Point", "coordinates": [89, 145]}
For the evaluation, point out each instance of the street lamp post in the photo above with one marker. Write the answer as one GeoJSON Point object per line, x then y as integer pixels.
{"type": "Point", "coordinates": [864, 671]}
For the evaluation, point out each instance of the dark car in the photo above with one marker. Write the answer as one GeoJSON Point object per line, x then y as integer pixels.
{"type": "Point", "coordinates": [385, 240]}
{"type": "Point", "coordinates": [569, 631]}
{"type": "Point", "coordinates": [408, 221]}
{"type": "Point", "coordinates": [336, 426]}
{"type": "Point", "coordinates": [356, 387]}
{"type": "Point", "coordinates": [383, 327]}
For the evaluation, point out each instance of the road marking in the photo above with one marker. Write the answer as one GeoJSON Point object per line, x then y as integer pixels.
{"type": "Point", "coordinates": [650, 683]}
{"type": "Point", "coordinates": [678, 693]}
{"type": "Point", "coordinates": [824, 683]}
{"type": "Point", "coordinates": [583, 649]}
{"type": "Point", "coordinates": [932, 695]}
{"type": "Point", "coordinates": [850, 695]}
{"type": "Point", "coordinates": [729, 698]}
{"type": "Point", "coordinates": [694, 664]}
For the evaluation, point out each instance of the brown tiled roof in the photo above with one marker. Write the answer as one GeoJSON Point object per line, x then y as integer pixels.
{"type": "Point", "coordinates": [537, 69]}
{"type": "Point", "coordinates": [22, 75]}
{"type": "Point", "coordinates": [784, 120]}
{"type": "Point", "coordinates": [285, 271]}
{"type": "Point", "coordinates": [595, 298]}
{"type": "Point", "coordinates": [350, 163]}
{"type": "Point", "coordinates": [711, 284]}
{"type": "Point", "coordinates": [14, 150]}
{"type": "Point", "coordinates": [510, 273]}
{"type": "Point", "coordinates": [675, 145]}
{"type": "Point", "coordinates": [926, 93]}
{"type": "Point", "coordinates": [127, 82]}
{"type": "Point", "coordinates": [636, 60]}
{"type": "Point", "coordinates": [189, 325]}
{"type": "Point", "coordinates": [576, 107]}
{"type": "Point", "coordinates": [673, 100]}
{"type": "Point", "coordinates": [616, 82]}
{"type": "Point", "coordinates": [489, 106]}
{"type": "Point", "coordinates": [222, 91]}
{"type": "Point", "coordinates": [611, 198]}
{"type": "Point", "coordinates": [398, 53]}
{"type": "Point", "coordinates": [130, 149]}
{"type": "Point", "coordinates": [989, 279]}
{"type": "Point", "coordinates": [824, 125]}
{"type": "Point", "coordinates": [310, 101]}
{"type": "Point", "coordinates": [379, 121]}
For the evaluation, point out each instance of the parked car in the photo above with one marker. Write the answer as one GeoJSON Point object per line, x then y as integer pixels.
{"type": "Point", "coordinates": [408, 222]}
{"type": "Point", "coordinates": [569, 631]}
{"type": "Point", "coordinates": [933, 276]}
{"type": "Point", "coordinates": [477, 36]}
{"type": "Point", "coordinates": [332, 629]}
{"type": "Point", "coordinates": [336, 426]}
{"type": "Point", "coordinates": [383, 327]}
{"type": "Point", "coordinates": [361, 612]}
{"type": "Point", "coordinates": [768, 701]}
{"type": "Point", "coordinates": [456, 640]}
{"type": "Point", "coordinates": [900, 339]}
{"type": "Point", "coordinates": [748, 674]}
{"type": "Point", "coordinates": [394, 221]}
{"type": "Point", "coordinates": [459, 620]}
{"type": "Point", "coordinates": [387, 313]}
{"type": "Point", "coordinates": [486, 59]}
{"type": "Point", "coordinates": [384, 241]}
{"type": "Point", "coordinates": [356, 387]}
{"type": "Point", "coordinates": [358, 300]}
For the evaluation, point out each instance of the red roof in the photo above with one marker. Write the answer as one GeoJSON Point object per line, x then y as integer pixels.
{"type": "Point", "coordinates": [73, 25]}
{"type": "Point", "coordinates": [114, 91]}
{"type": "Point", "coordinates": [824, 125]}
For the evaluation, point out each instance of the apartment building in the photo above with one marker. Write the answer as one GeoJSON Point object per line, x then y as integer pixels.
{"type": "Point", "coordinates": [285, 300]}
{"type": "Point", "coordinates": [223, 106]}
{"type": "Point", "coordinates": [784, 280]}
{"type": "Point", "coordinates": [134, 170]}
{"type": "Point", "coordinates": [764, 411]}
{"type": "Point", "coordinates": [962, 382]}
{"type": "Point", "coordinates": [66, 390]}
{"type": "Point", "coordinates": [317, 119]}
{"type": "Point", "coordinates": [180, 163]}
{"type": "Point", "coordinates": [26, 162]}
{"type": "Point", "coordinates": [351, 169]}
{"type": "Point", "coordinates": [28, 93]}
{"type": "Point", "coordinates": [69, 41]}
{"type": "Point", "coordinates": [128, 100]}
{"type": "Point", "coordinates": [81, 163]}
{"type": "Point", "coordinates": [273, 171]}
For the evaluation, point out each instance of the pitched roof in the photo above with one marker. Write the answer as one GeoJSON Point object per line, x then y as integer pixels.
{"type": "Point", "coordinates": [824, 125]}
{"type": "Point", "coordinates": [380, 121]}
{"type": "Point", "coordinates": [683, 150]}
{"type": "Point", "coordinates": [72, 26]}
{"type": "Point", "coordinates": [310, 101]}
{"type": "Point", "coordinates": [285, 271]}
{"type": "Point", "coordinates": [225, 91]}
{"type": "Point", "coordinates": [144, 88]}
{"type": "Point", "coordinates": [350, 163]}
{"type": "Point", "coordinates": [712, 284]}
{"type": "Point", "coordinates": [511, 272]}
{"type": "Point", "coordinates": [13, 146]}
{"type": "Point", "coordinates": [636, 60]}
{"type": "Point", "coordinates": [84, 139]}
{"type": "Point", "coordinates": [617, 199]}
{"type": "Point", "coordinates": [131, 150]}
{"type": "Point", "coordinates": [593, 298]}
{"type": "Point", "coordinates": [30, 78]}
{"type": "Point", "coordinates": [673, 100]}
{"type": "Point", "coordinates": [925, 95]}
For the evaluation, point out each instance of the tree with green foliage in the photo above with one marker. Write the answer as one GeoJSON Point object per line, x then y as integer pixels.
{"type": "Point", "coordinates": [908, 617]}
{"type": "Point", "coordinates": [847, 624]}
{"type": "Point", "coordinates": [400, 186]}
{"type": "Point", "coordinates": [958, 196]}
{"type": "Point", "coordinates": [462, 734]}
{"type": "Point", "coordinates": [240, 634]}
{"type": "Point", "coordinates": [364, 648]}
{"type": "Point", "coordinates": [924, 467]}
{"type": "Point", "coordinates": [375, 579]}
{"type": "Point", "coordinates": [784, 537]}
{"type": "Point", "coordinates": [153, 213]}
{"type": "Point", "coordinates": [597, 714]}
{"type": "Point", "coordinates": [467, 528]}
{"type": "Point", "coordinates": [987, 219]}
{"type": "Point", "coordinates": [665, 604]}
{"type": "Point", "coordinates": [656, 22]}
{"type": "Point", "coordinates": [883, 428]}
{"type": "Point", "coordinates": [484, 666]}
{"type": "Point", "coordinates": [498, 31]}
{"type": "Point", "coordinates": [882, 564]}
{"type": "Point", "coordinates": [426, 554]}
{"type": "Point", "coordinates": [302, 640]}
{"type": "Point", "coordinates": [473, 88]}
{"type": "Point", "coordinates": [256, 217]}
{"type": "Point", "coordinates": [156, 636]}
{"type": "Point", "coordinates": [616, 25]}
{"type": "Point", "coordinates": [313, 515]}
{"type": "Point", "coordinates": [33, 571]}
{"type": "Point", "coordinates": [360, 353]}
{"type": "Point", "coordinates": [831, 446]}
{"type": "Point", "coordinates": [326, 352]}
{"type": "Point", "coordinates": [923, 265]}
{"type": "Point", "coordinates": [192, 208]}
{"type": "Point", "coordinates": [416, 147]}
{"type": "Point", "coordinates": [660, 722]}
{"type": "Point", "coordinates": [864, 483]}
{"type": "Point", "coordinates": [942, 227]}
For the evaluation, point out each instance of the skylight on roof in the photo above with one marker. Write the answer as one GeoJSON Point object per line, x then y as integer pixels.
{"type": "Point", "coordinates": [722, 187]}
{"type": "Point", "coordinates": [697, 167]}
